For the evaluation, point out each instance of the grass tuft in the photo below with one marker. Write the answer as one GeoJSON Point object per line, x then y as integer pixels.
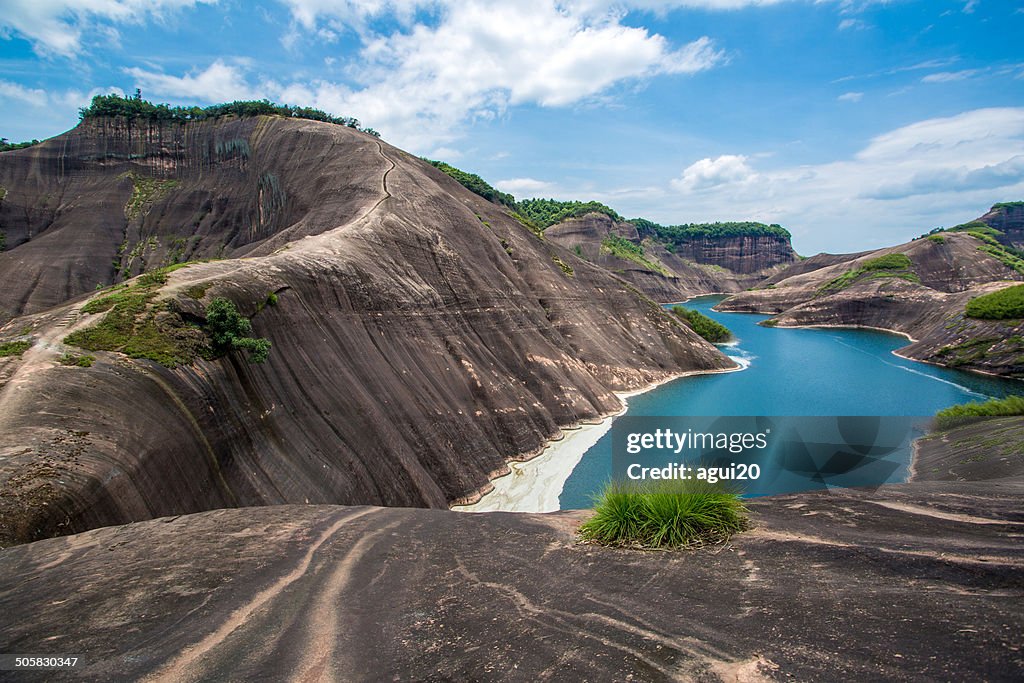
{"type": "Point", "coordinates": [664, 514]}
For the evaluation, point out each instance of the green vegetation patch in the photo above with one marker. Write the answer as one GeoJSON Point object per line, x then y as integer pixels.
{"type": "Point", "coordinates": [137, 108]}
{"type": "Point", "coordinates": [566, 268]}
{"type": "Point", "coordinates": [622, 248]}
{"type": "Point", "coordinates": [145, 190]}
{"type": "Point", "coordinates": [548, 212]}
{"type": "Point", "coordinates": [229, 330]}
{"type": "Point", "coordinates": [968, 412]}
{"type": "Point", "coordinates": [938, 239]}
{"type": "Point", "coordinates": [971, 351]}
{"type": "Point", "coordinates": [1005, 304]}
{"type": "Point", "coordinates": [6, 145]}
{"type": "Point", "coordinates": [1008, 205]}
{"type": "Point", "coordinates": [139, 328]}
{"type": "Point", "coordinates": [714, 332]}
{"type": "Point", "coordinates": [14, 348]}
{"type": "Point", "coordinates": [475, 184]}
{"type": "Point", "coordinates": [889, 265]}
{"type": "Point", "coordinates": [664, 514]}
{"type": "Point", "coordinates": [74, 360]}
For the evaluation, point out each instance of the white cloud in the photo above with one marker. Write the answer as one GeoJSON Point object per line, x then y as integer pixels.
{"type": "Point", "coordinates": [948, 76]}
{"type": "Point", "coordinates": [31, 96]}
{"type": "Point", "coordinates": [900, 184]}
{"type": "Point", "coordinates": [969, 6]}
{"type": "Point", "coordinates": [471, 61]}
{"type": "Point", "coordinates": [525, 187]}
{"type": "Point", "coordinates": [851, 97]}
{"type": "Point", "coordinates": [57, 26]}
{"type": "Point", "coordinates": [219, 82]}
{"type": "Point", "coordinates": [852, 24]}
{"type": "Point", "coordinates": [728, 169]}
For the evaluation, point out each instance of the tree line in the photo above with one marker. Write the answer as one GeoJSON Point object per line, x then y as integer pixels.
{"type": "Point", "coordinates": [135, 107]}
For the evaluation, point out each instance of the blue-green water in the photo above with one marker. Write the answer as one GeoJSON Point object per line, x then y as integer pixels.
{"type": "Point", "coordinates": [796, 372]}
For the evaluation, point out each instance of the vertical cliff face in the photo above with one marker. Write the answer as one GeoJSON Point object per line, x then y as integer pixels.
{"type": "Point", "coordinates": [116, 197]}
{"type": "Point", "coordinates": [421, 335]}
{"type": "Point", "coordinates": [1008, 218]}
{"type": "Point", "coordinates": [744, 255]}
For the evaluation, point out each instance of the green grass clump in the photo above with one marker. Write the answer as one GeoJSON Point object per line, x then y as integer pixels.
{"type": "Point", "coordinates": [707, 328]}
{"type": "Point", "coordinates": [74, 360]}
{"type": "Point", "coordinates": [1004, 304]}
{"type": "Point", "coordinates": [14, 348]}
{"type": "Point", "coordinates": [968, 412]}
{"type": "Point", "coordinates": [938, 239]}
{"type": "Point", "coordinates": [664, 514]}
{"type": "Point", "coordinates": [566, 268]}
{"type": "Point", "coordinates": [889, 265]}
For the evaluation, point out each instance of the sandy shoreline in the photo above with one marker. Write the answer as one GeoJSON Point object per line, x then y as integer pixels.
{"type": "Point", "coordinates": [535, 485]}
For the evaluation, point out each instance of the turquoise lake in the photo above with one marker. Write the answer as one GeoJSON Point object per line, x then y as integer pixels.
{"type": "Point", "coordinates": [795, 372]}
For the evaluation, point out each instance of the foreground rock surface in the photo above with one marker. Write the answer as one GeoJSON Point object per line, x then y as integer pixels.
{"type": "Point", "coordinates": [913, 582]}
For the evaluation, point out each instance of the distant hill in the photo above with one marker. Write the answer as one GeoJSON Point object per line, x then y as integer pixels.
{"type": "Point", "coordinates": [921, 288]}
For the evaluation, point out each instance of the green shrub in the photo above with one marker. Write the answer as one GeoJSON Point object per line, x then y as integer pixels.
{"type": "Point", "coordinates": [938, 239]}
{"type": "Point", "coordinates": [969, 412]}
{"type": "Point", "coordinates": [548, 212]}
{"type": "Point", "coordinates": [15, 348]}
{"type": "Point", "coordinates": [228, 331]}
{"type": "Point", "coordinates": [707, 328]}
{"type": "Point", "coordinates": [664, 514]}
{"type": "Point", "coordinates": [1004, 304]}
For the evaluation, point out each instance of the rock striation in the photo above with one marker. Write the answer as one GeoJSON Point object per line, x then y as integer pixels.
{"type": "Point", "coordinates": [916, 581]}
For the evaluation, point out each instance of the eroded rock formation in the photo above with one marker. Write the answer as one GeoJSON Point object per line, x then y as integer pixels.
{"type": "Point", "coordinates": [421, 336]}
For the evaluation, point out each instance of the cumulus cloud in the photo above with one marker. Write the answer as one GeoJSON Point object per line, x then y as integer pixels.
{"type": "Point", "coordinates": [526, 187]}
{"type": "Point", "coordinates": [57, 27]}
{"type": "Point", "coordinates": [219, 82]}
{"type": "Point", "coordinates": [728, 169]}
{"type": "Point", "coordinates": [30, 96]}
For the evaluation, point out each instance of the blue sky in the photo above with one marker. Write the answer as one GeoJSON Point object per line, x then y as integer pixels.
{"type": "Point", "coordinates": [855, 123]}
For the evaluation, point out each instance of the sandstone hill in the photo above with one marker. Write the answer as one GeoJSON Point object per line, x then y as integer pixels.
{"type": "Point", "coordinates": [669, 272]}
{"type": "Point", "coordinates": [421, 336]}
{"type": "Point", "coordinates": [920, 289]}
